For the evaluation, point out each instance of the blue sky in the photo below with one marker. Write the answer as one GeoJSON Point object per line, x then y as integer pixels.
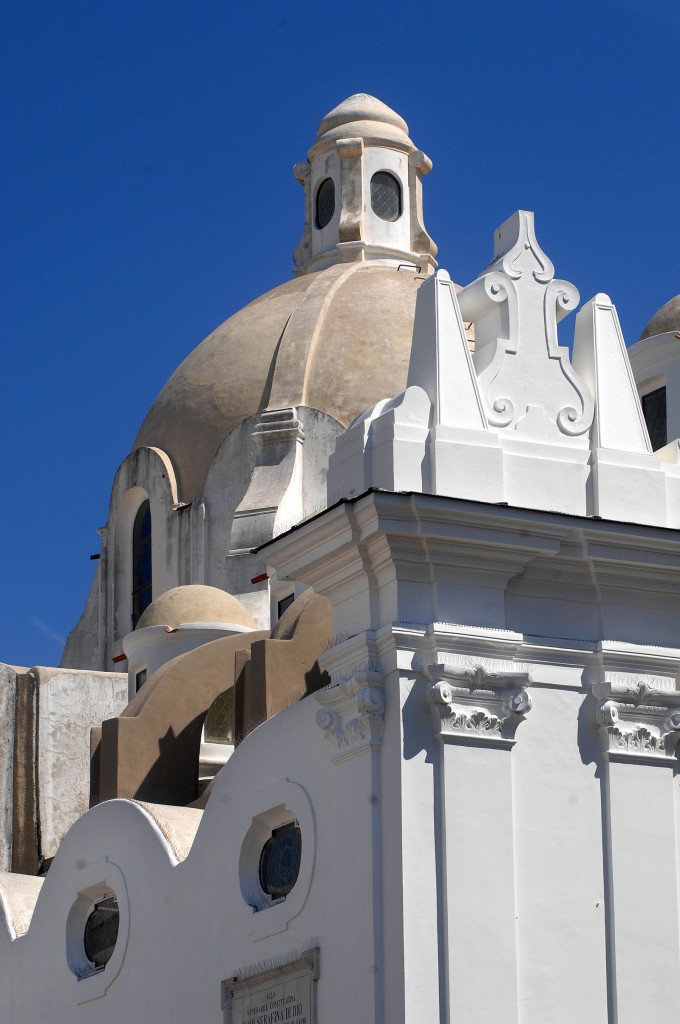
{"type": "Point", "coordinates": [148, 194]}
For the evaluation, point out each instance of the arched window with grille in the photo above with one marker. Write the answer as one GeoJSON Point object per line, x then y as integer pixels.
{"type": "Point", "coordinates": [141, 562]}
{"type": "Point", "coordinates": [386, 196]}
{"type": "Point", "coordinates": [325, 203]}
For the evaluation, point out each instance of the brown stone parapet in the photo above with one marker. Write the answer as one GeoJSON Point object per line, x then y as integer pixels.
{"type": "Point", "coordinates": [150, 752]}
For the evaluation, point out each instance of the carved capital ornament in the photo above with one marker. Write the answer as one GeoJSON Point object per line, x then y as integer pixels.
{"type": "Point", "coordinates": [352, 714]}
{"type": "Point", "coordinates": [637, 721]}
{"type": "Point", "coordinates": [475, 705]}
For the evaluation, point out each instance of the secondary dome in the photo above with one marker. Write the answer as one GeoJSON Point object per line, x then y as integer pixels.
{"type": "Point", "coordinates": [665, 320]}
{"type": "Point", "coordinates": [337, 340]}
{"type": "Point", "coordinates": [195, 603]}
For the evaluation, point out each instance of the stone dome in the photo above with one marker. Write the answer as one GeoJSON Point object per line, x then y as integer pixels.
{"type": "Point", "coordinates": [665, 320]}
{"type": "Point", "coordinates": [337, 340]}
{"type": "Point", "coordinates": [363, 115]}
{"type": "Point", "coordinates": [195, 603]}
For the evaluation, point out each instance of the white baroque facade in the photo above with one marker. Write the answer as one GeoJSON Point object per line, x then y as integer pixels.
{"type": "Point", "coordinates": [475, 813]}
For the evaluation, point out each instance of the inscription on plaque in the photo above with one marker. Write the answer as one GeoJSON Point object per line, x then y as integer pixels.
{"type": "Point", "coordinates": [286, 995]}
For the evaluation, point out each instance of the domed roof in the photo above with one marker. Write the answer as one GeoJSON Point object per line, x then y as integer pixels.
{"type": "Point", "coordinates": [665, 320]}
{"type": "Point", "coordinates": [337, 340]}
{"type": "Point", "coordinates": [365, 115]}
{"type": "Point", "coordinates": [195, 603]}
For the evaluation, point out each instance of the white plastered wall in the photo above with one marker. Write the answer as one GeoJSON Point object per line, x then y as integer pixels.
{"type": "Point", "coordinates": [390, 880]}
{"type": "Point", "coordinates": [199, 899]}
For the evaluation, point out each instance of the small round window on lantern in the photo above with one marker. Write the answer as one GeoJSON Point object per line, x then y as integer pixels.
{"type": "Point", "coordinates": [280, 861]}
{"type": "Point", "coordinates": [325, 203]}
{"type": "Point", "coordinates": [101, 932]}
{"type": "Point", "coordinates": [385, 196]}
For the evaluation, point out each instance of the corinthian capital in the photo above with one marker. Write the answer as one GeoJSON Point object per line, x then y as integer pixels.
{"type": "Point", "coordinates": [637, 720]}
{"type": "Point", "coordinates": [474, 705]}
{"type": "Point", "coordinates": [352, 714]}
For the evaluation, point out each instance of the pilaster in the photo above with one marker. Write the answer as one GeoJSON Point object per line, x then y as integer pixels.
{"type": "Point", "coordinates": [639, 727]}
{"type": "Point", "coordinates": [476, 713]}
{"type": "Point", "coordinates": [351, 227]}
{"type": "Point", "coordinates": [351, 717]}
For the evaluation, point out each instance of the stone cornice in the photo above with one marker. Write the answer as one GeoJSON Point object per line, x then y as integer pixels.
{"type": "Point", "coordinates": [638, 718]}
{"type": "Point", "coordinates": [307, 549]}
{"type": "Point", "coordinates": [352, 714]}
{"type": "Point", "coordinates": [658, 665]}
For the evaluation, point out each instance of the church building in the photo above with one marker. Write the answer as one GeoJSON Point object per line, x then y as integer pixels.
{"type": "Point", "coordinates": [372, 711]}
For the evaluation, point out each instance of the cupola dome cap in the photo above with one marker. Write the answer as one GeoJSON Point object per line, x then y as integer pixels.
{"type": "Point", "coordinates": [361, 107]}
{"type": "Point", "coordinates": [195, 603]}
{"type": "Point", "coordinates": [664, 320]}
{"type": "Point", "coordinates": [365, 116]}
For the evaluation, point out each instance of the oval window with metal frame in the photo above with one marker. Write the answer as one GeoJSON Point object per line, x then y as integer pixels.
{"type": "Point", "coordinates": [101, 932]}
{"type": "Point", "coordinates": [280, 860]}
{"type": "Point", "coordinates": [325, 203]}
{"type": "Point", "coordinates": [385, 196]}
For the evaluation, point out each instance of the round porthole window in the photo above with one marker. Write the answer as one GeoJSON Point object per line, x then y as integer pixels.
{"type": "Point", "coordinates": [101, 932]}
{"type": "Point", "coordinates": [385, 196]}
{"type": "Point", "coordinates": [325, 203]}
{"type": "Point", "coordinates": [280, 861]}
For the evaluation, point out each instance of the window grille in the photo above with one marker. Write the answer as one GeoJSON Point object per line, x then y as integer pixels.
{"type": "Point", "coordinates": [325, 203]}
{"type": "Point", "coordinates": [101, 932]}
{"type": "Point", "coordinates": [385, 196]}
{"type": "Point", "coordinates": [219, 722]}
{"type": "Point", "coordinates": [280, 860]}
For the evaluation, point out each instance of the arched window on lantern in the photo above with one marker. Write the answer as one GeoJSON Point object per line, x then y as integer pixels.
{"type": "Point", "coordinates": [386, 196]}
{"type": "Point", "coordinates": [325, 203]}
{"type": "Point", "coordinates": [141, 562]}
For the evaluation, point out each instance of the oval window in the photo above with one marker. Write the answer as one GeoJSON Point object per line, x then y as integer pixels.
{"type": "Point", "coordinates": [101, 932]}
{"type": "Point", "coordinates": [385, 196]}
{"type": "Point", "coordinates": [280, 860]}
{"type": "Point", "coordinates": [325, 203]}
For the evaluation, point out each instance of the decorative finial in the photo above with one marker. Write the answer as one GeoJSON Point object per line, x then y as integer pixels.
{"type": "Point", "coordinates": [525, 376]}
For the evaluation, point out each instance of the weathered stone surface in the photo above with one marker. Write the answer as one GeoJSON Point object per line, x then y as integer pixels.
{"type": "Point", "coordinates": [69, 703]}
{"type": "Point", "coordinates": [7, 707]}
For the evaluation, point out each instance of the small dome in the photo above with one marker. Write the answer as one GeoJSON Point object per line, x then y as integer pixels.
{"type": "Point", "coordinates": [665, 320]}
{"type": "Point", "coordinates": [362, 115]}
{"type": "Point", "coordinates": [361, 107]}
{"type": "Point", "coordinates": [195, 603]}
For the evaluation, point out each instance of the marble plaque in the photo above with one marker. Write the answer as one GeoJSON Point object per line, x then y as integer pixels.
{"type": "Point", "coordinates": [285, 995]}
